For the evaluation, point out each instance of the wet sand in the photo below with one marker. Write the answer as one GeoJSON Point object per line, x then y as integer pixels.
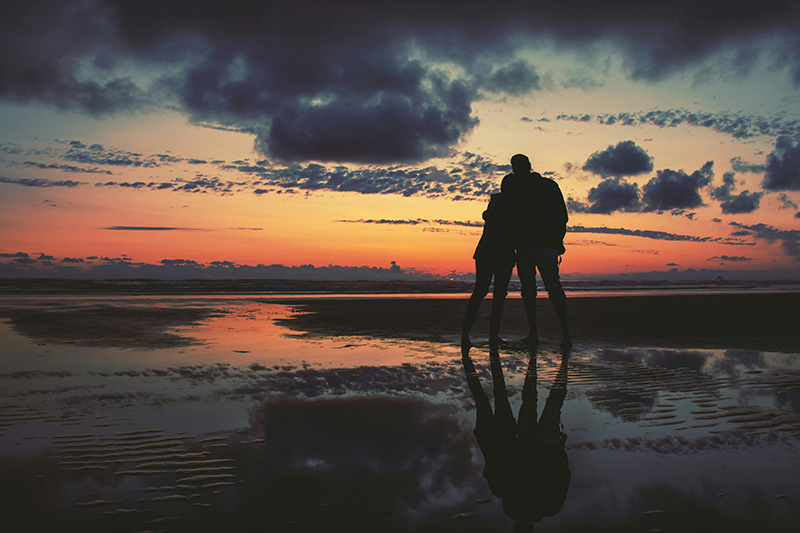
{"type": "Point", "coordinates": [748, 321]}
{"type": "Point", "coordinates": [208, 414]}
{"type": "Point", "coordinates": [104, 324]}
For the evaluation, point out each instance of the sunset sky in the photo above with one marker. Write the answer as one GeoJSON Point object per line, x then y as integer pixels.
{"type": "Point", "coordinates": [171, 138]}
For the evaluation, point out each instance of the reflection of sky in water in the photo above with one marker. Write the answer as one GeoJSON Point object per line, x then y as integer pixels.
{"type": "Point", "coordinates": [318, 427]}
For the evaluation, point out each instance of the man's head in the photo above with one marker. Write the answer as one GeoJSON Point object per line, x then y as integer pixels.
{"type": "Point", "coordinates": [521, 164]}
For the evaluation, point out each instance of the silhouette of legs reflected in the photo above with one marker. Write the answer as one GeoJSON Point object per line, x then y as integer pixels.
{"type": "Point", "coordinates": [502, 408]}
{"type": "Point", "coordinates": [526, 464]}
{"type": "Point", "coordinates": [526, 424]}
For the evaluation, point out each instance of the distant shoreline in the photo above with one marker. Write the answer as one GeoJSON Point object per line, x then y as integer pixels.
{"type": "Point", "coordinates": [293, 288]}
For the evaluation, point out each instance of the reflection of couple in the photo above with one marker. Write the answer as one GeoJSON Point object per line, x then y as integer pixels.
{"type": "Point", "coordinates": [526, 463]}
{"type": "Point", "coordinates": [524, 223]}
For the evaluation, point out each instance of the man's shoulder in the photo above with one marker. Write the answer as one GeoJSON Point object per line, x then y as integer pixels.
{"type": "Point", "coordinates": [542, 181]}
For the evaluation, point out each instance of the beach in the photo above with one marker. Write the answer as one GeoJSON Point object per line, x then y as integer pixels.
{"type": "Point", "coordinates": [744, 321]}
{"type": "Point", "coordinates": [201, 412]}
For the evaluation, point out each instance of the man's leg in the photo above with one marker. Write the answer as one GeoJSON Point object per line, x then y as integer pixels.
{"type": "Point", "coordinates": [547, 262]}
{"type": "Point", "coordinates": [526, 270]}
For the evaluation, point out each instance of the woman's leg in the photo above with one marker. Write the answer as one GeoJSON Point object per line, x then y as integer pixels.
{"type": "Point", "coordinates": [502, 275]}
{"type": "Point", "coordinates": [483, 278]}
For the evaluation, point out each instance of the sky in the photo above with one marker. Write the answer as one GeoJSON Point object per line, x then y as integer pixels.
{"type": "Point", "coordinates": [361, 139]}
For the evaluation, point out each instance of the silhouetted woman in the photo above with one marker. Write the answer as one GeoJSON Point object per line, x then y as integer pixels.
{"type": "Point", "coordinates": [494, 258]}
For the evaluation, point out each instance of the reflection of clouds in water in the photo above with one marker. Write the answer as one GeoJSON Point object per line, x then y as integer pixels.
{"type": "Point", "coordinates": [669, 359]}
{"type": "Point", "coordinates": [419, 445]}
{"type": "Point", "coordinates": [370, 463]}
{"type": "Point", "coordinates": [679, 444]}
{"type": "Point", "coordinates": [731, 362]}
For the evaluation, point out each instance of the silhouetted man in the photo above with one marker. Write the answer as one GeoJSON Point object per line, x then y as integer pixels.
{"type": "Point", "coordinates": [539, 217]}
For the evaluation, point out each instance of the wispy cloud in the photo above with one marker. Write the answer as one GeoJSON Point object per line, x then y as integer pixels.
{"type": "Point", "coordinates": [657, 235]}
{"type": "Point", "coordinates": [150, 228]}
{"type": "Point", "coordinates": [415, 222]}
{"type": "Point", "coordinates": [41, 182]}
{"type": "Point", "coordinates": [789, 239]}
{"type": "Point", "coordinates": [737, 125]}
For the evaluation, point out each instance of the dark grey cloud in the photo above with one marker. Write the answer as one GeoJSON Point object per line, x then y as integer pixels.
{"type": "Point", "coordinates": [783, 166]}
{"type": "Point", "coordinates": [395, 128]}
{"type": "Point", "coordinates": [613, 194]}
{"type": "Point", "coordinates": [789, 239]}
{"type": "Point", "coordinates": [516, 78]}
{"type": "Point", "coordinates": [41, 182]}
{"type": "Point", "coordinates": [744, 202]}
{"type": "Point", "coordinates": [674, 189]}
{"type": "Point", "coordinates": [624, 159]}
{"type": "Point", "coordinates": [737, 125]}
{"type": "Point", "coordinates": [294, 74]}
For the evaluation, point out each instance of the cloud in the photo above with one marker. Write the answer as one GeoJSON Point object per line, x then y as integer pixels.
{"type": "Point", "coordinates": [624, 159]}
{"type": "Point", "coordinates": [786, 202]}
{"type": "Point", "coordinates": [150, 228]}
{"type": "Point", "coordinates": [789, 239]}
{"type": "Point", "coordinates": [21, 265]}
{"type": "Point", "coordinates": [65, 168]}
{"type": "Point", "coordinates": [744, 202]}
{"type": "Point", "coordinates": [613, 194]}
{"type": "Point", "coordinates": [656, 235]}
{"type": "Point", "coordinates": [730, 258]}
{"type": "Point", "coordinates": [395, 86]}
{"type": "Point", "coordinates": [468, 176]}
{"type": "Point", "coordinates": [516, 78]}
{"type": "Point", "coordinates": [414, 222]}
{"type": "Point", "coordinates": [737, 125]}
{"type": "Point", "coordinates": [393, 128]}
{"type": "Point", "coordinates": [41, 182]}
{"type": "Point", "coordinates": [96, 154]}
{"type": "Point", "coordinates": [672, 189]}
{"type": "Point", "coordinates": [740, 165]}
{"type": "Point", "coordinates": [783, 166]}
{"type": "Point", "coordinates": [580, 80]}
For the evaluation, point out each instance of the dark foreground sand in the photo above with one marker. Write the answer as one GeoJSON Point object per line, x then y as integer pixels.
{"type": "Point", "coordinates": [104, 325]}
{"type": "Point", "coordinates": [766, 322]}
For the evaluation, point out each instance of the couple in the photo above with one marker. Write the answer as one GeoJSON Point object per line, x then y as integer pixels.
{"type": "Point", "coordinates": [524, 224]}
